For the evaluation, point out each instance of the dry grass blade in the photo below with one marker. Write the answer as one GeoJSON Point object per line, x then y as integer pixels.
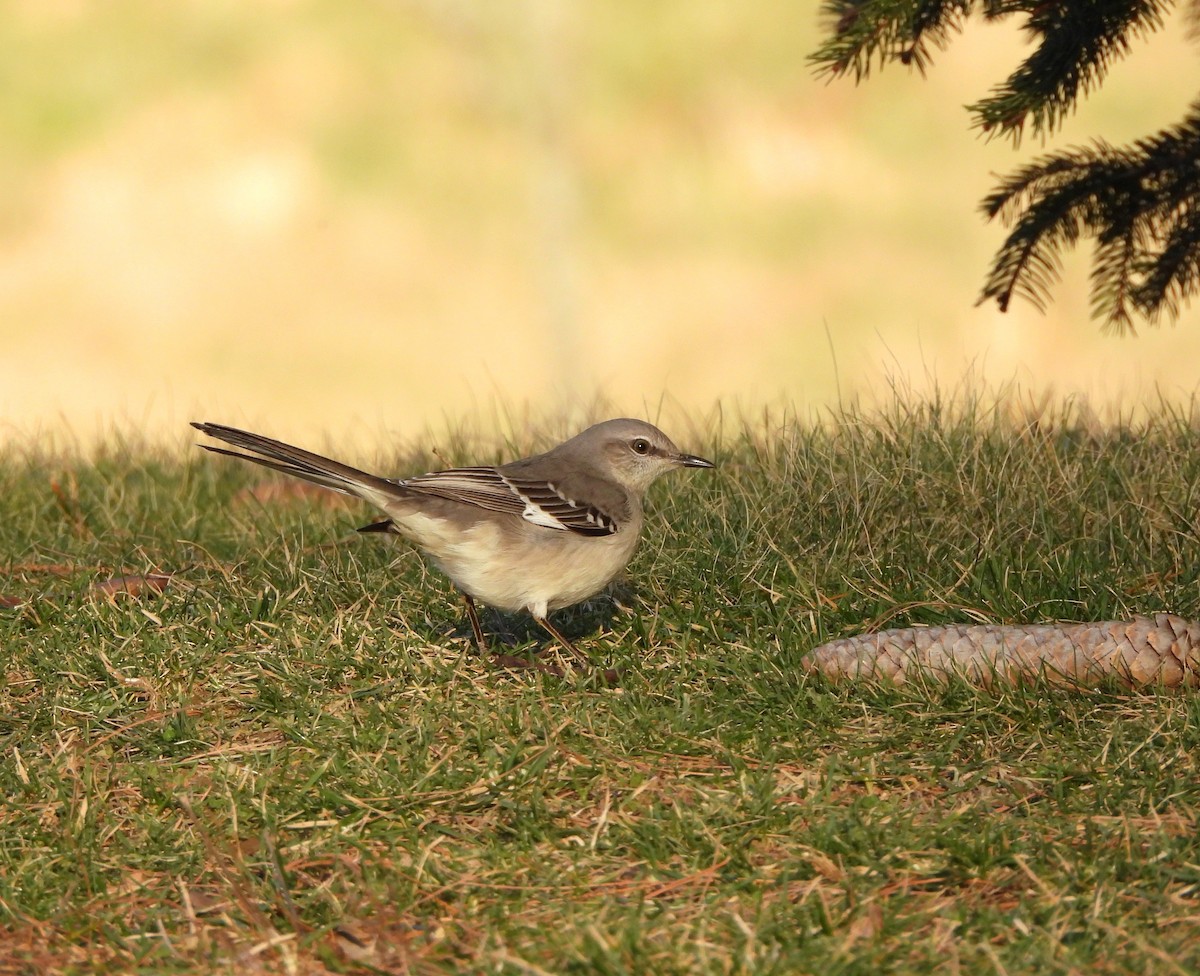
{"type": "Point", "coordinates": [68, 500]}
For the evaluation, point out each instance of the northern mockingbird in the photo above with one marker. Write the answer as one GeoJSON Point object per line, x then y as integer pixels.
{"type": "Point", "coordinates": [537, 534]}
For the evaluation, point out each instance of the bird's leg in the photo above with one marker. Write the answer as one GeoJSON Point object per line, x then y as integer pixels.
{"type": "Point", "coordinates": [554, 632]}
{"type": "Point", "coordinates": [502, 660]}
{"type": "Point", "coordinates": [480, 640]}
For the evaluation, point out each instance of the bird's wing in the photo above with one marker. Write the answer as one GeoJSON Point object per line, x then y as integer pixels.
{"type": "Point", "coordinates": [540, 502]}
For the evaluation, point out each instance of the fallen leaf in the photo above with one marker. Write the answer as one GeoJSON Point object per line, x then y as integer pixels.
{"type": "Point", "coordinates": [867, 925]}
{"type": "Point", "coordinates": [205, 901]}
{"type": "Point", "coordinates": [512, 663]}
{"type": "Point", "coordinates": [134, 585]}
{"type": "Point", "coordinates": [35, 569]}
{"type": "Point", "coordinates": [10, 602]}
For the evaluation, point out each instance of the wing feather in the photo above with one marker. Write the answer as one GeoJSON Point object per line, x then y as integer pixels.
{"type": "Point", "coordinates": [538, 502]}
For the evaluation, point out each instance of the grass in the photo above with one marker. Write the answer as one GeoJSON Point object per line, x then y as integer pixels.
{"type": "Point", "coordinates": [290, 760]}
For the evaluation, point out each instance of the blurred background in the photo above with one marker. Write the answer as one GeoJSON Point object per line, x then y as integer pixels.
{"type": "Point", "coordinates": [370, 218]}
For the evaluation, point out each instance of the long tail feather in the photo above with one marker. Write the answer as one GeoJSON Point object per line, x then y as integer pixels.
{"type": "Point", "coordinates": [299, 463]}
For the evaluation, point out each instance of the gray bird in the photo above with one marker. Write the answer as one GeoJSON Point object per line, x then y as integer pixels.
{"type": "Point", "coordinates": [537, 534]}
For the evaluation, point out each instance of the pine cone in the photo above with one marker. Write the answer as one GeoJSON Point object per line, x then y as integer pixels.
{"type": "Point", "coordinates": [1163, 650]}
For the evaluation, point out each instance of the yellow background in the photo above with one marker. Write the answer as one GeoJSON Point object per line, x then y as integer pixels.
{"type": "Point", "coordinates": [366, 219]}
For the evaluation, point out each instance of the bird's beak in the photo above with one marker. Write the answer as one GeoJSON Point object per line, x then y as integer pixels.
{"type": "Point", "coordinates": [691, 461]}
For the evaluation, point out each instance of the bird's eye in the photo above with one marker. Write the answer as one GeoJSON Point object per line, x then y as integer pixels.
{"type": "Point", "coordinates": [641, 446]}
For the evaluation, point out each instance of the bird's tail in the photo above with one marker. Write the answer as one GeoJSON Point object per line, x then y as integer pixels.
{"type": "Point", "coordinates": [299, 463]}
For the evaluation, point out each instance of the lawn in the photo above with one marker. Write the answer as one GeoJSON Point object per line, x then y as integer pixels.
{"type": "Point", "coordinates": [285, 755]}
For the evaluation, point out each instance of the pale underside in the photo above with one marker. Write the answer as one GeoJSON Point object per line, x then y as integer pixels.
{"type": "Point", "coordinates": [558, 569]}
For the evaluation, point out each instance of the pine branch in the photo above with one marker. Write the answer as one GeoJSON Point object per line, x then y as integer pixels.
{"type": "Point", "coordinates": [1076, 40]}
{"type": "Point", "coordinates": [866, 32]}
{"type": "Point", "coordinates": [1052, 201]}
{"type": "Point", "coordinates": [1141, 204]}
{"type": "Point", "coordinates": [1175, 274]}
{"type": "Point", "coordinates": [1120, 252]}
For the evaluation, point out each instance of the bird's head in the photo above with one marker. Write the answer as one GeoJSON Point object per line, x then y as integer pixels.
{"type": "Point", "coordinates": [634, 452]}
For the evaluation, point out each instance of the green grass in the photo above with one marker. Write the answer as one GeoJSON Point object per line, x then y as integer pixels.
{"type": "Point", "coordinates": [292, 761]}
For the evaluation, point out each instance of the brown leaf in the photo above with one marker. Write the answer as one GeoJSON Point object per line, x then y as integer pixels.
{"type": "Point", "coordinates": [10, 602]}
{"type": "Point", "coordinates": [512, 663]}
{"type": "Point", "coordinates": [205, 901]}
{"type": "Point", "coordinates": [866, 925]}
{"type": "Point", "coordinates": [134, 585]}
{"type": "Point", "coordinates": [39, 569]}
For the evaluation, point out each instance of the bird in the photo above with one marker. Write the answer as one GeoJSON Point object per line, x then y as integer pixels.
{"type": "Point", "coordinates": [537, 534]}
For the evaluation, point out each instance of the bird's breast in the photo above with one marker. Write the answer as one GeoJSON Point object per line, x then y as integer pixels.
{"type": "Point", "coordinates": [512, 565]}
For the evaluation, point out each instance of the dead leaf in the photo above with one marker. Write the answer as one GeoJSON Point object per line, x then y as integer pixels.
{"type": "Point", "coordinates": [10, 602]}
{"type": "Point", "coordinates": [512, 663]}
{"type": "Point", "coordinates": [134, 585]}
{"type": "Point", "coordinates": [38, 569]}
{"type": "Point", "coordinates": [867, 925]}
{"type": "Point", "coordinates": [201, 901]}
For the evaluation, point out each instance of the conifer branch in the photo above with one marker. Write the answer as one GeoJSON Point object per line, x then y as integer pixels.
{"type": "Point", "coordinates": [1076, 43]}
{"type": "Point", "coordinates": [865, 32]}
{"type": "Point", "coordinates": [1175, 275]}
{"type": "Point", "coordinates": [1140, 203]}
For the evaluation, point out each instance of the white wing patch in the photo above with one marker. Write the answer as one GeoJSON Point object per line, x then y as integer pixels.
{"type": "Point", "coordinates": [538, 502]}
{"type": "Point", "coordinates": [539, 516]}
{"type": "Point", "coordinates": [547, 506]}
{"type": "Point", "coordinates": [534, 512]}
